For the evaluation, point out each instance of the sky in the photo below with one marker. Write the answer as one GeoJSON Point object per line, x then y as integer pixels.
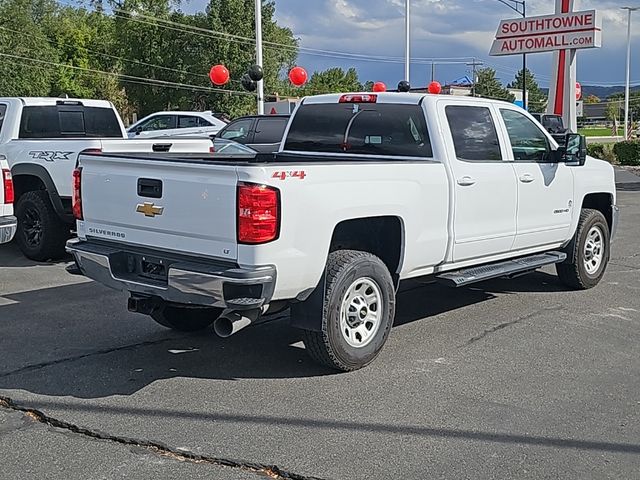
{"type": "Point", "coordinates": [454, 31]}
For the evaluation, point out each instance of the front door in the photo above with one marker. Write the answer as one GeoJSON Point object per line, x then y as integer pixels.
{"type": "Point", "coordinates": [545, 188]}
{"type": "Point", "coordinates": [484, 184]}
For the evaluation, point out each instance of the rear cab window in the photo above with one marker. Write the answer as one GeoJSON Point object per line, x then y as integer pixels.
{"type": "Point", "coordinates": [270, 130]}
{"type": "Point", "coordinates": [360, 129]}
{"type": "Point", "coordinates": [64, 121]}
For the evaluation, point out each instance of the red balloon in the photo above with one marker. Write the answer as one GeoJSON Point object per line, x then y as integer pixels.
{"type": "Point", "coordinates": [379, 87]}
{"type": "Point", "coordinates": [219, 75]}
{"type": "Point", "coordinates": [435, 88]}
{"type": "Point", "coordinates": [298, 76]}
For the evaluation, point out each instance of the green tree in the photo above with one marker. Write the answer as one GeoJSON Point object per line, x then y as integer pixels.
{"type": "Point", "coordinates": [25, 68]}
{"type": "Point", "coordinates": [333, 80]}
{"type": "Point", "coordinates": [537, 100]}
{"type": "Point", "coordinates": [489, 86]}
{"type": "Point", "coordinates": [591, 99]}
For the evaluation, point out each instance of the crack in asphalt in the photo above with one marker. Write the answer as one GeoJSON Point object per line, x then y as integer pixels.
{"type": "Point", "coordinates": [38, 366]}
{"type": "Point", "coordinates": [271, 471]}
{"type": "Point", "coordinates": [511, 323]}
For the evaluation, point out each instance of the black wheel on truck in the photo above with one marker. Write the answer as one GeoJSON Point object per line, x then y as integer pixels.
{"type": "Point", "coordinates": [588, 252]}
{"type": "Point", "coordinates": [358, 311]}
{"type": "Point", "coordinates": [185, 319]}
{"type": "Point", "coordinates": [41, 233]}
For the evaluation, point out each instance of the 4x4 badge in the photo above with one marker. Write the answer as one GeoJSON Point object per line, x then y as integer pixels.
{"type": "Point", "coordinates": [149, 209]}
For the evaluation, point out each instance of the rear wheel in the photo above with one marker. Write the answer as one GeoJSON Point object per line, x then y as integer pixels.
{"type": "Point", "coordinates": [41, 234]}
{"type": "Point", "coordinates": [588, 252]}
{"type": "Point", "coordinates": [358, 311]}
{"type": "Point", "coordinates": [185, 319]}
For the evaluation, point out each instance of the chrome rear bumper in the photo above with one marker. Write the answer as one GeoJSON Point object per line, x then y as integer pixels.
{"type": "Point", "coordinates": [176, 280]}
{"type": "Point", "coordinates": [8, 227]}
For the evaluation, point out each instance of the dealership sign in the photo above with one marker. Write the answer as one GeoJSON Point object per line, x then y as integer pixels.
{"type": "Point", "coordinates": [569, 31]}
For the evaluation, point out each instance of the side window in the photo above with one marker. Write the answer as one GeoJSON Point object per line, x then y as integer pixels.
{"type": "Point", "coordinates": [475, 137]}
{"type": "Point", "coordinates": [237, 131]}
{"type": "Point", "coordinates": [202, 122]}
{"type": "Point", "coordinates": [270, 130]}
{"type": "Point", "coordinates": [187, 122]}
{"type": "Point", "coordinates": [528, 142]}
{"type": "Point", "coordinates": [3, 111]}
{"type": "Point", "coordinates": [161, 122]}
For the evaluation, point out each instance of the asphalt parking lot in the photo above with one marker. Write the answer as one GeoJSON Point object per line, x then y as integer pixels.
{"type": "Point", "coordinates": [509, 379]}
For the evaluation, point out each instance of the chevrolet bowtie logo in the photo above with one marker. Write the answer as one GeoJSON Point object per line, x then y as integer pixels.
{"type": "Point", "coordinates": [149, 209]}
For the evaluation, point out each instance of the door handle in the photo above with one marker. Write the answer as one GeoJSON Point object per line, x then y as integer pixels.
{"type": "Point", "coordinates": [527, 178]}
{"type": "Point", "coordinates": [466, 181]}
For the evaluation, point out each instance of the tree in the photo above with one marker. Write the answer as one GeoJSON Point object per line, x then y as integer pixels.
{"type": "Point", "coordinates": [489, 86]}
{"type": "Point", "coordinates": [592, 99]}
{"type": "Point", "coordinates": [333, 80]}
{"type": "Point", "coordinates": [537, 101]}
{"type": "Point", "coordinates": [25, 67]}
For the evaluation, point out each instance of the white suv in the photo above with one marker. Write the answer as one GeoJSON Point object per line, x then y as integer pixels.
{"type": "Point", "coordinates": [173, 124]}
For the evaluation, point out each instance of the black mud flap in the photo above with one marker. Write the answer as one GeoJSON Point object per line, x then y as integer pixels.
{"type": "Point", "coordinates": [307, 314]}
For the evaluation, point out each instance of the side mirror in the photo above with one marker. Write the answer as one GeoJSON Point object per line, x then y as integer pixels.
{"type": "Point", "coordinates": [574, 150]}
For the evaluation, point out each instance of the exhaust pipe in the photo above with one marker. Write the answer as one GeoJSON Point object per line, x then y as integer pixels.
{"type": "Point", "coordinates": [231, 322]}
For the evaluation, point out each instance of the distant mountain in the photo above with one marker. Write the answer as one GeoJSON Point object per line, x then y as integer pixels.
{"type": "Point", "coordinates": [601, 92]}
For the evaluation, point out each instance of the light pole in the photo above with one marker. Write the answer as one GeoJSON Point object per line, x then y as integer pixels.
{"type": "Point", "coordinates": [259, 55]}
{"type": "Point", "coordinates": [407, 45]}
{"type": "Point", "coordinates": [520, 6]}
{"type": "Point", "coordinates": [626, 90]}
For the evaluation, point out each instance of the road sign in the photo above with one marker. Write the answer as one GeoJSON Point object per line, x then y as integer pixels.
{"type": "Point", "coordinates": [568, 31]}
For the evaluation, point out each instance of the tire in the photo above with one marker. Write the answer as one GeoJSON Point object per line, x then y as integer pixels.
{"type": "Point", "coordinates": [352, 345]}
{"type": "Point", "coordinates": [185, 319]}
{"type": "Point", "coordinates": [41, 233]}
{"type": "Point", "coordinates": [582, 269]}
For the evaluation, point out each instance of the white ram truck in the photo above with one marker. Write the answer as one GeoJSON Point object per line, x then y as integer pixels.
{"type": "Point", "coordinates": [41, 139]}
{"type": "Point", "coordinates": [366, 190]}
{"type": "Point", "coordinates": [8, 222]}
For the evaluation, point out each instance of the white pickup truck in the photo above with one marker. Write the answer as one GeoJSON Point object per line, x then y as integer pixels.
{"type": "Point", "coordinates": [41, 139]}
{"type": "Point", "coordinates": [8, 222]}
{"type": "Point", "coordinates": [366, 190]}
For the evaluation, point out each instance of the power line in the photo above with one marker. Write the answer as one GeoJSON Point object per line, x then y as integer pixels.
{"type": "Point", "coordinates": [115, 57]}
{"type": "Point", "coordinates": [207, 33]}
{"type": "Point", "coordinates": [122, 77]}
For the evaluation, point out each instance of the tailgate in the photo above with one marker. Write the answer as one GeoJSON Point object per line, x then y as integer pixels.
{"type": "Point", "coordinates": [184, 207]}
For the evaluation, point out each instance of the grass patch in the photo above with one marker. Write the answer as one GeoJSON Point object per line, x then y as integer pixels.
{"type": "Point", "coordinates": [599, 132]}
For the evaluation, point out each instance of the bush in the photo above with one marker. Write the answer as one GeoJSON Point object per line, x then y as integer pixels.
{"type": "Point", "coordinates": [628, 153]}
{"type": "Point", "coordinates": [602, 151]}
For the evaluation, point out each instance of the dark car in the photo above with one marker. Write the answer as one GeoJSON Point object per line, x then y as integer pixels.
{"type": "Point", "coordinates": [554, 125]}
{"type": "Point", "coordinates": [263, 133]}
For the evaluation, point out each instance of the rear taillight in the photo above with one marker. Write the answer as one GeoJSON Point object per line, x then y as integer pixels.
{"type": "Point", "coordinates": [77, 194]}
{"type": "Point", "coordinates": [258, 213]}
{"type": "Point", "coordinates": [7, 182]}
{"type": "Point", "coordinates": [367, 98]}
{"type": "Point", "coordinates": [93, 151]}
{"type": "Point", "coordinates": [212, 149]}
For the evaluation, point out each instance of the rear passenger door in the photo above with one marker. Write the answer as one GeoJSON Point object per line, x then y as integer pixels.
{"type": "Point", "coordinates": [485, 187]}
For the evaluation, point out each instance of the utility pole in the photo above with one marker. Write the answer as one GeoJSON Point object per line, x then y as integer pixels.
{"type": "Point", "coordinates": [628, 81]}
{"type": "Point", "coordinates": [407, 47]}
{"type": "Point", "coordinates": [433, 71]}
{"type": "Point", "coordinates": [473, 65]}
{"type": "Point", "coordinates": [259, 55]}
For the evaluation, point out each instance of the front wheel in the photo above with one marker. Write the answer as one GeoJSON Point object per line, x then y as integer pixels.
{"type": "Point", "coordinates": [588, 252]}
{"type": "Point", "coordinates": [358, 311]}
{"type": "Point", "coordinates": [185, 319]}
